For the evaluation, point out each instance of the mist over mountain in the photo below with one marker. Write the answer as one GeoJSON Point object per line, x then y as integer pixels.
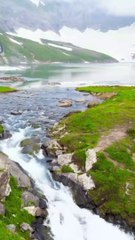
{"type": "Point", "coordinates": [54, 14]}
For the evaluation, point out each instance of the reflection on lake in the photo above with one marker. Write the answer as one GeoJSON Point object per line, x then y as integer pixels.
{"type": "Point", "coordinates": [72, 75]}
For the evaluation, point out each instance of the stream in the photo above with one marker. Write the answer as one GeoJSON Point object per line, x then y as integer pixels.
{"type": "Point", "coordinates": [39, 107]}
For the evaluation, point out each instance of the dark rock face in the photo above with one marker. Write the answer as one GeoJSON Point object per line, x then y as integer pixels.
{"type": "Point", "coordinates": [42, 203]}
{"type": "Point", "coordinates": [38, 229]}
{"type": "Point", "coordinates": [6, 134]}
{"type": "Point", "coordinates": [81, 197]}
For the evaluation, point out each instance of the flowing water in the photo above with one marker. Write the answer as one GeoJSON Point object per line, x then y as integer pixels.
{"type": "Point", "coordinates": [38, 102]}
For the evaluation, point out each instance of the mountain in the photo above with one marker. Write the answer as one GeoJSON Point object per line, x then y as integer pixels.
{"type": "Point", "coordinates": [16, 50]}
{"type": "Point", "coordinates": [89, 24]}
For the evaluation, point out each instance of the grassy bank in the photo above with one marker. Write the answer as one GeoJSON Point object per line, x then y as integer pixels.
{"type": "Point", "coordinates": [4, 89]}
{"type": "Point", "coordinates": [114, 172]}
{"type": "Point", "coordinates": [14, 214]}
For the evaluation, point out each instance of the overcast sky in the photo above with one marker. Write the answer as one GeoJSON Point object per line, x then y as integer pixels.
{"type": "Point", "coordinates": [118, 7]}
{"type": "Point", "coordinates": [115, 7]}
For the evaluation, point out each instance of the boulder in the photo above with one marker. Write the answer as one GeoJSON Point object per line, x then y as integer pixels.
{"type": "Point", "coordinates": [26, 227]}
{"type": "Point", "coordinates": [91, 158]}
{"type": "Point", "coordinates": [51, 148]}
{"type": "Point", "coordinates": [86, 182]}
{"type": "Point", "coordinates": [40, 212]}
{"type": "Point", "coordinates": [29, 198]}
{"type": "Point", "coordinates": [11, 79]}
{"type": "Point", "coordinates": [75, 168]}
{"type": "Point", "coordinates": [11, 228]}
{"type": "Point", "coordinates": [36, 211]}
{"type": "Point", "coordinates": [42, 203]}
{"type": "Point", "coordinates": [4, 184]}
{"type": "Point", "coordinates": [16, 113]}
{"type": "Point", "coordinates": [2, 209]}
{"type": "Point", "coordinates": [80, 100]}
{"type": "Point", "coordinates": [65, 103]}
{"type": "Point", "coordinates": [6, 134]}
{"type": "Point", "coordinates": [93, 103]}
{"type": "Point", "coordinates": [30, 145]}
{"type": "Point", "coordinates": [15, 170]}
{"type": "Point", "coordinates": [31, 210]}
{"type": "Point", "coordinates": [65, 159]}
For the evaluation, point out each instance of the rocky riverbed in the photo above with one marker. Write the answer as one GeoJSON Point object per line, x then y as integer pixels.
{"type": "Point", "coordinates": [38, 111]}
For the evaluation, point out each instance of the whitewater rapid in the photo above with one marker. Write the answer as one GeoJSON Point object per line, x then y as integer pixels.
{"type": "Point", "coordinates": [65, 219]}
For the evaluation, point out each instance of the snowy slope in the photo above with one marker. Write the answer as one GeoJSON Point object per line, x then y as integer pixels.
{"type": "Point", "coordinates": [120, 44]}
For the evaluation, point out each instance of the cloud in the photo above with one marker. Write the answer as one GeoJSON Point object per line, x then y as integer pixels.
{"type": "Point", "coordinates": [118, 7]}
{"type": "Point", "coordinates": [114, 7]}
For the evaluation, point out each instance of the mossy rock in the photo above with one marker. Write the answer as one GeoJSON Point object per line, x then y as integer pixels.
{"type": "Point", "coordinates": [1, 129]}
{"type": "Point", "coordinates": [30, 146]}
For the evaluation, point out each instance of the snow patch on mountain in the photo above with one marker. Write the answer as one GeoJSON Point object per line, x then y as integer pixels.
{"type": "Point", "coordinates": [16, 42]}
{"type": "Point", "coordinates": [61, 47]}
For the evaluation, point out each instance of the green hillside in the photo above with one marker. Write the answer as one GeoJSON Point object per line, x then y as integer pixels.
{"type": "Point", "coordinates": [15, 50]}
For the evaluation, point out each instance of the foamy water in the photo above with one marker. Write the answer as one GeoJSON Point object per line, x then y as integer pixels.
{"type": "Point", "coordinates": [65, 219]}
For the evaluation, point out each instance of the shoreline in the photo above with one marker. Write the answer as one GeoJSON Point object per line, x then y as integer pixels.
{"type": "Point", "coordinates": [65, 133]}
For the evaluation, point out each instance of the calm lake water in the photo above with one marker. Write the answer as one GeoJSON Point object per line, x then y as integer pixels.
{"type": "Point", "coordinates": [72, 75]}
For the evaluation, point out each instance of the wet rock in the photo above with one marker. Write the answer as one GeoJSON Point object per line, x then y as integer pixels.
{"type": "Point", "coordinates": [65, 159]}
{"type": "Point", "coordinates": [2, 209]}
{"type": "Point", "coordinates": [42, 203]}
{"type": "Point", "coordinates": [54, 83]}
{"type": "Point", "coordinates": [80, 100]}
{"type": "Point", "coordinates": [36, 211]}
{"type": "Point", "coordinates": [15, 170]}
{"type": "Point", "coordinates": [4, 184]}
{"type": "Point", "coordinates": [51, 148]}
{"type": "Point", "coordinates": [80, 195]}
{"type": "Point", "coordinates": [65, 103]}
{"type": "Point", "coordinates": [11, 228]}
{"type": "Point", "coordinates": [29, 198]}
{"type": "Point", "coordinates": [30, 145]}
{"type": "Point", "coordinates": [40, 212]}
{"type": "Point", "coordinates": [38, 229]}
{"type": "Point", "coordinates": [16, 113]}
{"type": "Point", "coordinates": [5, 134]}
{"type": "Point", "coordinates": [92, 103]}
{"type": "Point", "coordinates": [26, 227]}
{"type": "Point", "coordinates": [54, 168]}
{"type": "Point", "coordinates": [91, 158]}
{"type": "Point", "coordinates": [11, 79]}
